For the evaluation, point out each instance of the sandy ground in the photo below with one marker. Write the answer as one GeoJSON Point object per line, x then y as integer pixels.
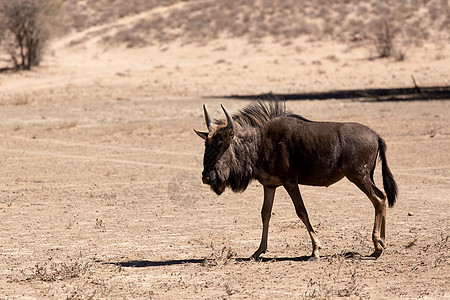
{"type": "Point", "coordinates": [100, 177]}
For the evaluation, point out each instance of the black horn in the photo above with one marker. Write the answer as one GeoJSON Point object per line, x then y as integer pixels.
{"type": "Point", "coordinates": [207, 118]}
{"type": "Point", "coordinates": [230, 123]}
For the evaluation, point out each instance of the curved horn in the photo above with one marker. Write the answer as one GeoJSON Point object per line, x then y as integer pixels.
{"type": "Point", "coordinates": [207, 118]}
{"type": "Point", "coordinates": [230, 122]}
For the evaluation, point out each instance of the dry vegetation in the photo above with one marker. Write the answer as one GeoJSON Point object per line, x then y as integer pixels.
{"type": "Point", "coordinates": [80, 15]}
{"type": "Point", "coordinates": [387, 27]}
{"type": "Point", "coordinates": [200, 21]}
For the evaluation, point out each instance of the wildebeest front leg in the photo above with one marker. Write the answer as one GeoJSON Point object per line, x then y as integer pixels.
{"type": "Point", "coordinates": [300, 208]}
{"type": "Point", "coordinates": [266, 212]}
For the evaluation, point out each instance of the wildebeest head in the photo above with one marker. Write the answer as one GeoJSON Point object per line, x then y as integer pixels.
{"type": "Point", "coordinates": [217, 142]}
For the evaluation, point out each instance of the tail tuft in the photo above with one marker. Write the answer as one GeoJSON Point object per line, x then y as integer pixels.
{"type": "Point", "coordinates": [389, 184]}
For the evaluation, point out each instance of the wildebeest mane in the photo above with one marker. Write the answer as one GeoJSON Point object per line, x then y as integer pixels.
{"type": "Point", "coordinates": [260, 113]}
{"type": "Point", "coordinates": [299, 117]}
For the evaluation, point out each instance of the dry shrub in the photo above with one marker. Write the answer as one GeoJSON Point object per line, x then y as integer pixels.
{"type": "Point", "coordinates": [25, 25]}
{"type": "Point", "coordinates": [383, 37]}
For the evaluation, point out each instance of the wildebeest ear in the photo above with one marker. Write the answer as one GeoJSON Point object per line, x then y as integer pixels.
{"type": "Point", "coordinates": [230, 133]}
{"type": "Point", "coordinates": [203, 135]}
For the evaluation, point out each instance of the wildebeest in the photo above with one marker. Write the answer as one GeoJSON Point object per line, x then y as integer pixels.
{"type": "Point", "coordinates": [265, 142]}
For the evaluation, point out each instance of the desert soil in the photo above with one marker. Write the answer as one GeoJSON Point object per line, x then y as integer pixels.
{"type": "Point", "coordinates": [100, 176]}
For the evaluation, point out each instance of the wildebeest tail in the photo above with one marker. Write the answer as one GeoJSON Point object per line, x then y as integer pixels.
{"type": "Point", "coordinates": [389, 184]}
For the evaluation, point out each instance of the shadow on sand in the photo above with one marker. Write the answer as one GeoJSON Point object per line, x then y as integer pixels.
{"type": "Point", "coordinates": [151, 263]}
{"type": "Point", "coordinates": [393, 94]}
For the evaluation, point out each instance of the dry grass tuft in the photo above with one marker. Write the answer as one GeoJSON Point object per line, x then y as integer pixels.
{"type": "Point", "coordinates": [411, 244]}
{"type": "Point", "coordinates": [340, 285]}
{"type": "Point", "coordinates": [50, 271]}
{"type": "Point", "coordinates": [19, 99]}
{"type": "Point", "coordinates": [63, 125]}
{"type": "Point", "coordinates": [439, 251]}
{"type": "Point", "coordinates": [219, 258]}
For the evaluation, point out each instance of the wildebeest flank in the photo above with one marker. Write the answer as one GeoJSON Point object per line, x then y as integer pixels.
{"type": "Point", "coordinates": [266, 142]}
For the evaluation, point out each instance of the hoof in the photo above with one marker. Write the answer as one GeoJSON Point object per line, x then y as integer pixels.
{"type": "Point", "coordinates": [255, 256]}
{"type": "Point", "coordinates": [376, 253]}
{"type": "Point", "coordinates": [313, 258]}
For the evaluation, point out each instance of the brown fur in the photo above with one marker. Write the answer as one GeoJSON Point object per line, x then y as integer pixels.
{"type": "Point", "coordinates": [265, 142]}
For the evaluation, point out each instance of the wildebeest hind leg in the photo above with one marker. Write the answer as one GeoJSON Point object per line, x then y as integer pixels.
{"type": "Point", "coordinates": [300, 209]}
{"type": "Point", "coordinates": [378, 199]}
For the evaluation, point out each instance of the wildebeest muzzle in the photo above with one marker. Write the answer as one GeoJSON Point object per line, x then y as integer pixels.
{"type": "Point", "coordinates": [209, 174]}
{"type": "Point", "coordinates": [209, 177]}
